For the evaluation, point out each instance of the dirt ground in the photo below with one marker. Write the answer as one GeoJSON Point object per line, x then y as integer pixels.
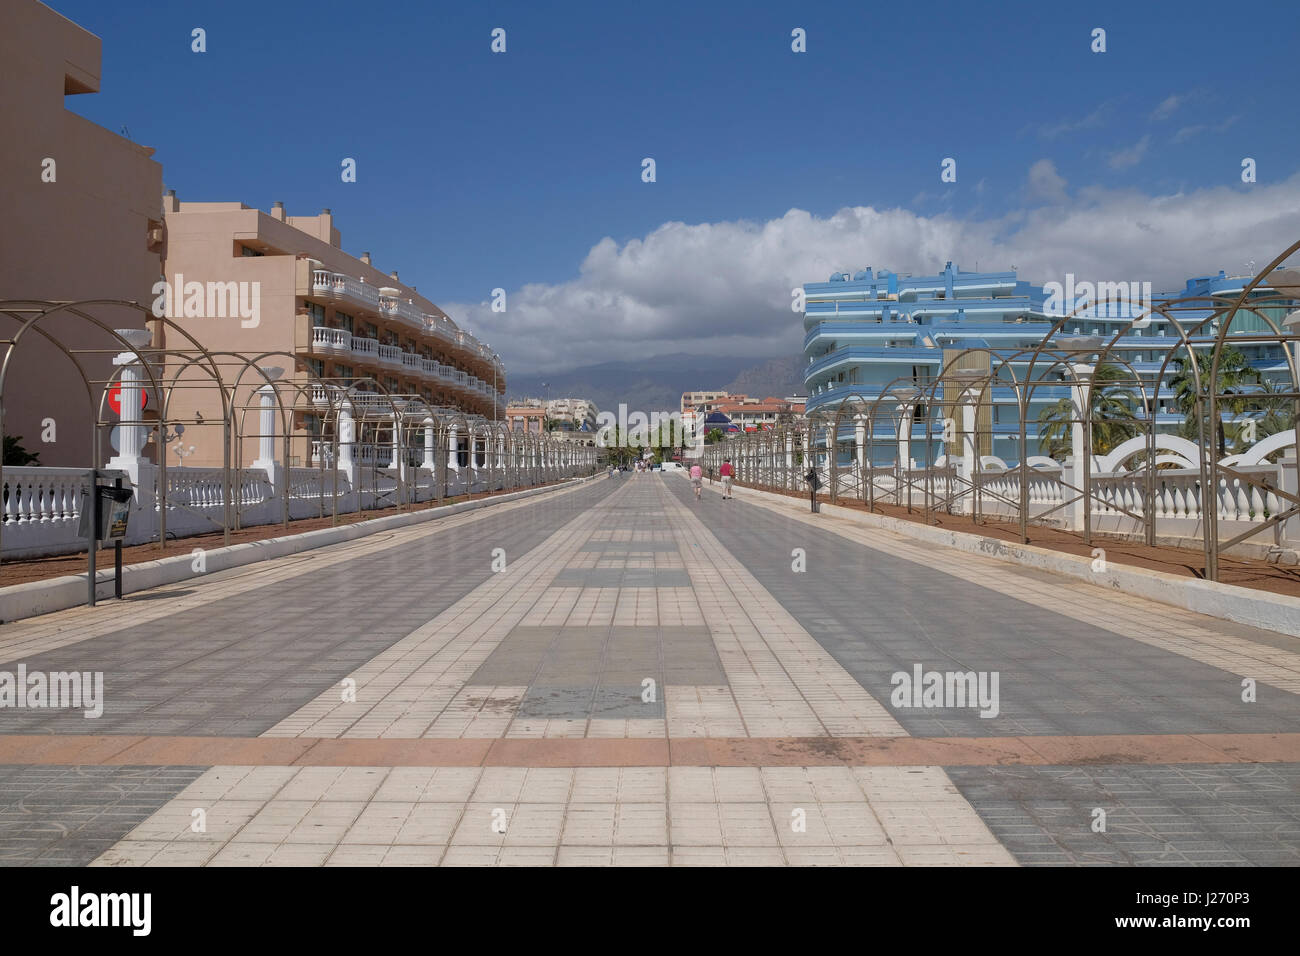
{"type": "Point", "coordinates": [1245, 572]}
{"type": "Point", "coordinates": [38, 569]}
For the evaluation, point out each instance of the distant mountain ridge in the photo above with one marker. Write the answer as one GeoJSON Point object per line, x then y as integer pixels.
{"type": "Point", "coordinates": [778, 377]}
{"type": "Point", "coordinates": [656, 384]}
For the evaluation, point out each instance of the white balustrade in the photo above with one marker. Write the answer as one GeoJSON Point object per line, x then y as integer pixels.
{"type": "Point", "coordinates": [330, 340]}
{"type": "Point", "coordinates": [42, 496]}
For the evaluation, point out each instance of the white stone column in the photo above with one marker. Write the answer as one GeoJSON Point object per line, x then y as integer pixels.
{"type": "Point", "coordinates": [347, 444]}
{"type": "Point", "coordinates": [429, 462]}
{"type": "Point", "coordinates": [789, 461]}
{"type": "Point", "coordinates": [1080, 395]}
{"type": "Point", "coordinates": [1288, 530]}
{"type": "Point", "coordinates": [399, 463]}
{"type": "Point", "coordinates": [453, 452]}
{"type": "Point", "coordinates": [475, 472]}
{"type": "Point", "coordinates": [968, 462]}
{"type": "Point", "coordinates": [905, 413]}
{"type": "Point", "coordinates": [132, 432]}
{"type": "Point", "coordinates": [266, 460]}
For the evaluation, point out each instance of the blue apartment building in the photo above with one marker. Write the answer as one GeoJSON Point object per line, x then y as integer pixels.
{"type": "Point", "coordinates": [867, 330]}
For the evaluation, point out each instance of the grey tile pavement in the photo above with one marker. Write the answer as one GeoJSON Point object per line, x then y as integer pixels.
{"type": "Point", "coordinates": [877, 614]}
{"type": "Point", "coordinates": [1174, 815]}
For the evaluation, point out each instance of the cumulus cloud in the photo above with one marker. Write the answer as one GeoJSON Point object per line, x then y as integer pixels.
{"type": "Point", "coordinates": [725, 287]}
{"type": "Point", "coordinates": [1045, 182]}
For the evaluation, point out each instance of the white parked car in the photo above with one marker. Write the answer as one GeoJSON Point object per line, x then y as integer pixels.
{"type": "Point", "coordinates": [672, 466]}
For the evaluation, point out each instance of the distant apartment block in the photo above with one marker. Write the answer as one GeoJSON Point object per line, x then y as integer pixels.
{"type": "Point", "coordinates": [564, 414]}
{"type": "Point", "coordinates": [703, 401]}
{"type": "Point", "coordinates": [753, 414]}
{"type": "Point", "coordinates": [747, 414]}
{"type": "Point", "coordinates": [572, 414]}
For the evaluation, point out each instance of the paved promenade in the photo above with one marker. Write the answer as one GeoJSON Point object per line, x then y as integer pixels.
{"type": "Point", "coordinates": [618, 674]}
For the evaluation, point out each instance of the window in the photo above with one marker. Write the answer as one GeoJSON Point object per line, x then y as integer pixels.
{"type": "Point", "coordinates": [317, 313]}
{"type": "Point", "coordinates": [343, 321]}
{"type": "Point", "coordinates": [369, 330]}
{"type": "Point", "coordinates": [316, 367]}
{"type": "Point", "coordinates": [344, 374]}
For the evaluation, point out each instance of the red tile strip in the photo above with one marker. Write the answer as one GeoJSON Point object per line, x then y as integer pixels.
{"type": "Point", "coordinates": [70, 749]}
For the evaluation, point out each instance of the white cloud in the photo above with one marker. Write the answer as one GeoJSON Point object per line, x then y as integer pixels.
{"type": "Point", "coordinates": [1167, 108]}
{"type": "Point", "coordinates": [1131, 156]}
{"type": "Point", "coordinates": [724, 287]}
{"type": "Point", "coordinates": [1045, 182]}
{"type": "Point", "coordinates": [1187, 132]}
{"type": "Point", "coordinates": [1093, 120]}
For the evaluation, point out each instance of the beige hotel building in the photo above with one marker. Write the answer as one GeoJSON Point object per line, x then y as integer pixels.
{"type": "Point", "coordinates": [341, 318]}
{"type": "Point", "coordinates": [85, 218]}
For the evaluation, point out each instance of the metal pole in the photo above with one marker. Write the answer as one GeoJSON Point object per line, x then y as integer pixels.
{"type": "Point", "coordinates": [94, 536]}
{"type": "Point", "coordinates": [117, 556]}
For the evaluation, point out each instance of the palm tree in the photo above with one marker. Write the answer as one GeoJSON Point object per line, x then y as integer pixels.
{"type": "Point", "coordinates": [15, 454]}
{"type": "Point", "coordinates": [1111, 413]}
{"type": "Point", "coordinates": [1235, 371]}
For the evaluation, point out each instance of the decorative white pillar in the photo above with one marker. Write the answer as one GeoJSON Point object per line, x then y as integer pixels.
{"type": "Point", "coordinates": [1080, 389]}
{"type": "Point", "coordinates": [399, 464]}
{"type": "Point", "coordinates": [905, 413]}
{"type": "Point", "coordinates": [266, 460]}
{"type": "Point", "coordinates": [789, 460]}
{"type": "Point", "coordinates": [475, 473]}
{"type": "Point", "coordinates": [347, 443]}
{"type": "Point", "coordinates": [967, 462]}
{"type": "Point", "coordinates": [429, 462]}
{"type": "Point", "coordinates": [453, 452]}
{"type": "Point", "coordinates": [132, 432]}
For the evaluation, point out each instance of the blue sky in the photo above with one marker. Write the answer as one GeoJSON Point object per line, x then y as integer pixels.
{"type": "Point", "coordinates": [479, 170]}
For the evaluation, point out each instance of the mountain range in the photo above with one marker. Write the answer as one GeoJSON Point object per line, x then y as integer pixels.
{"type": "Point", "coordinates": [657, 383]}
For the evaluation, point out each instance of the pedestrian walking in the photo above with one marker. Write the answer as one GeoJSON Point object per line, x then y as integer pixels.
{"type": "Point", "coordinates": [726, 471]}
{"type": "Point", "coordinates": [697, 479]}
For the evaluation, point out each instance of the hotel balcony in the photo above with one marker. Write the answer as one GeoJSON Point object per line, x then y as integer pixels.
{"type": "Point", "coordinates": [386, 302]}
{"type": "Point", "coordinates": [363, 351]}
{"type": "Point", "coordinates": [339, 286]}
{"type": "Point", "coordinates": [393, 307]}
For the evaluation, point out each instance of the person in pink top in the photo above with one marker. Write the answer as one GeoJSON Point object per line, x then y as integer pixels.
{"type": "Point", "coordinates": [697, 479]}
{"type": "Point", "coordinates": [726, 471]}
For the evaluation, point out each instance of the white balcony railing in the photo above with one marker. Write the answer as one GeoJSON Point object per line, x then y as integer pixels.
{"type": "Point", "coordinates": [390, 355]}
{"type": "Point", "coordinates": [402, 309]}
{"type": "Point", "coordinates": [341, 286]}
{"type": "Point", "coordinates": [337, 285]}
{"type": "Point", "coordinates": [330, 340]}
{"type": "Point", "coordinates": [366, 348]}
